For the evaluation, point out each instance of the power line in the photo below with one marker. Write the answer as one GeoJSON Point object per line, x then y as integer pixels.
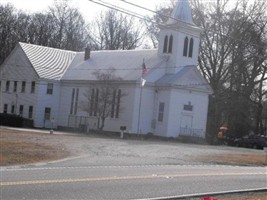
{"type": "Point", "coordinates": [142, 17]}
{"type": "Point", "coordinates": [155, 12]}
{"type": "Point", "coordinates": [125, 11]}
{"type": "Point", "coordinates": [12, 92]}
{"type": "Point", "coordinates": [158, 66]}
{"type": "Point", "coordinates": [170, 17]}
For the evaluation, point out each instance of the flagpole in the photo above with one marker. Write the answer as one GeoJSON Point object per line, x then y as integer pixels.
{"type": "Point", "coordinates": [140, 99]}
{"type": "Point", "coordinates": [140, 105]}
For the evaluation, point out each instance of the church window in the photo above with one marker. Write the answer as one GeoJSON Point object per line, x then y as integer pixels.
{"type": "Point", "coordinates": [13, 109]}
{"type": "Point", "coordinates": [47, 113]}
{"type": "Point", "coordinates": [5, 108]}
{"type": "Point", "coordinates": [118, 103]}
{"type": "Point", "coordinates": [23, 86]}
{"type": "Point", "coordinates": [72, 101]}
{"type": "Point", "coordinates": [15, 86]}
{"type": "Point", "coordinates": [165, 44]}
{"type": "Point", "coordinates": [115, 107]}
{"type": "Point", "coordinates": [76, 101]}
{"type": "Point", "coordinates": [49, 89]}
{"type": "Point", "coordinates": [170, 44]}
{"type": "Point", "coordinates": [185, 46]}
{"type": "Point", "coordinates": [161, 112]}
{"type": "Point", "coordinates": [7, 86]}
{"type": "Point", "coordinates": [30, 112]}
{"type": "Point", "coordinates": [113, 103]}
{"type": "Point", "coordinates": [21, 110]}
{"type": "Point", "coordinates": [33, 87]}
{"type": "Point", "coordinates": [94, 102]}
{"type": "Point", "coordinates": [191, 45]}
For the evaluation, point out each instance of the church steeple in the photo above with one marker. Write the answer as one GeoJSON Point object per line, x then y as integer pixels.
{"type": "Point", "coordinates": [179, 38]}
{"type": "Point", "coordinates": [181, 12]}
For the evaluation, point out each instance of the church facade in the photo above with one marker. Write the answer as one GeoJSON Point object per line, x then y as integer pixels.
{"type": "Point", "coordinates": [159, 91]}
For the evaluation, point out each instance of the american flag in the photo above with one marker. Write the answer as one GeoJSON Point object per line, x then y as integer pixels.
{"type": "Point", "coordinates": [145, 70]}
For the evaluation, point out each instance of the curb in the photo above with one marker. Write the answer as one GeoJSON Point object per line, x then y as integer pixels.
{"type": "Point", "coordinates": [201, 195]}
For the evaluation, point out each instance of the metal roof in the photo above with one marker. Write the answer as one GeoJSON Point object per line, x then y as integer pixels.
{"type": "Point", "coordinates": [49, 63]}
{"type": "Point", "coordinates": [172, 78]}
{"type": "Point", "coordinates": [56, 64]}
{"type": "Point", "coordinates": [127, 64]}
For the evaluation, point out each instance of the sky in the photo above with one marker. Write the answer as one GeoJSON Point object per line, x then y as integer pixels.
{"type": "Point", "coordinates": [87, 8]}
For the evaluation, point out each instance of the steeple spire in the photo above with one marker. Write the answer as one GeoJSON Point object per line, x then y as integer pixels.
{"type": "Point", "coordinates": [182, 12]}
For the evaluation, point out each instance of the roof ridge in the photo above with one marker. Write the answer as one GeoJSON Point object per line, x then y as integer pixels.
{"type": "Point", "coordinates": [121, 50]}
{"type": "Point", "coordinates": [41, 46]}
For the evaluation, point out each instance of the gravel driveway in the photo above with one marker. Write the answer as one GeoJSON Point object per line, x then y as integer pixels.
{"type": "Point", "coordinates": [100, 150]}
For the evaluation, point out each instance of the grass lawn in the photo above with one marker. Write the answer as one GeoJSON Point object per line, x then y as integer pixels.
{"type": "Point", "coordinates": [245, 159]}
{"type": "Point", "coordinates": [19, 148]}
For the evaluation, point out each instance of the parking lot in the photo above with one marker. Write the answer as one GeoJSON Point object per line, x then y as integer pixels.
{"type": "Point", "coordinates": [107, 150]}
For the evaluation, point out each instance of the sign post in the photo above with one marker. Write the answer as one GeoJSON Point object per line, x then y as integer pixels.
{"type": "Point", "coordinates": [52, 123]}
{"type": "Point", "coordinates": [122, 129]}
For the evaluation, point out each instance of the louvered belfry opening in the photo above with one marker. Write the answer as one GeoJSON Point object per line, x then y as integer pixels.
{"type": "Point", "coordinates": [87, 52]}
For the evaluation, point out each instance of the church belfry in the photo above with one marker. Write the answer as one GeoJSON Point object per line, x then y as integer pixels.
{"type": "Point", "coordinates": [179, 38]}
{"type": "Point", "coordinates": [167, 46]}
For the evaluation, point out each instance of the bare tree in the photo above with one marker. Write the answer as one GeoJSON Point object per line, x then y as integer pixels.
{"type": "Point", "coordinates": [60, 27]}
{"type": "Point", "coordinates": [8, 39]}
{"type": "Point", "coordinates": [152, 23]}
{"type": "Point", "coordinates": [69, 28]}
{"type": "Point", "coordinates": [231, 56]}
{"type": "Point", "coordinates": [103, 100]}
{"type": "Point", "coordinates": [113, 30]}
{"type": "Point", "coordinates": [40, 29]}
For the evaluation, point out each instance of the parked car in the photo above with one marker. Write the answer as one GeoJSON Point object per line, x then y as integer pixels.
{"type": "Point", "coordinates": [252, 141]}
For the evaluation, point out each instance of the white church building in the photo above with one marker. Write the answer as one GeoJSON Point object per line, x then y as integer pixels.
{"type": "Point", "coordinates": [48, 85]}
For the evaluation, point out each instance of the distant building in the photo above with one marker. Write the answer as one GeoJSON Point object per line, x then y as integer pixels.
{"type": "Point", "coordinates": [48, 85]}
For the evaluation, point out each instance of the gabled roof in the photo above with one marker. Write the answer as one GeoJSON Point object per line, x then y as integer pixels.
{"type": "Point", "coordinates": [172, 78]}
{"type": "Point", "coordinates": [127, 64]}
{"type": "Point", "coordinates": [57, 64]}
{"type": "Point", "coordinates": [49, 63]}
{"type": "Point", "coordinates": [186, 77]}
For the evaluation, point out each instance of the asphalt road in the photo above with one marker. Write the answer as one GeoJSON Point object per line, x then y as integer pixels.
{"type": "Point", "coordinates": [125, 182]}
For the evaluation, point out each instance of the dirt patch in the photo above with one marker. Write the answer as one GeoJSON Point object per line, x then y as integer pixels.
{"type": "Point", "coordinates": [248, 159]}
{"type": "Point", "coordinates": [18, 148]}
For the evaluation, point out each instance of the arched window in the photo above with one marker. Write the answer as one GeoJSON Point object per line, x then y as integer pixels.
{"type": "Point", "coordinates": [170, 44]}
{"type": "Point", "coordinates": [185, 46]}
{"type": "Point", "coordinates": [165, 44]}
{"type": "Point", "coordinates": [191, 46]}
